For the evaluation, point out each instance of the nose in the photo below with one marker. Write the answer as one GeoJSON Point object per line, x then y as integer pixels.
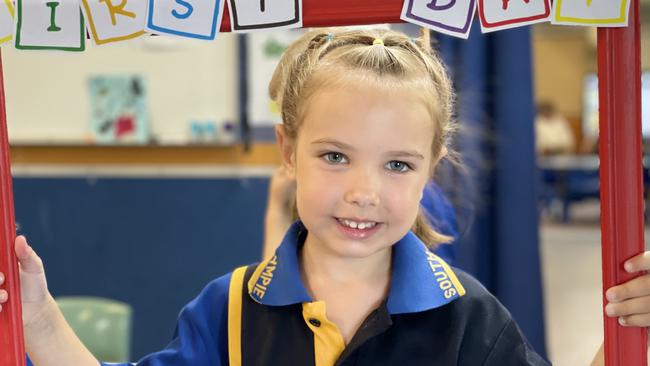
{"type": "Point", "coordinates": [363, 189]}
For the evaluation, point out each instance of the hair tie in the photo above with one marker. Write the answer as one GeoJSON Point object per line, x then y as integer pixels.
{"type": "Point", "coordinates": [378, 41]}
{"type": "Point", "coordinates": [330, 36]}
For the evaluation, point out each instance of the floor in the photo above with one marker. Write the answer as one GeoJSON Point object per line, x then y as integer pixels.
{"type": "Point", "coordinates": [571, 265]}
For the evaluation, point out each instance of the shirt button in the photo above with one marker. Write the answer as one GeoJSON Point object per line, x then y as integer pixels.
{"type": "Point", "coordinates": [315, 322]}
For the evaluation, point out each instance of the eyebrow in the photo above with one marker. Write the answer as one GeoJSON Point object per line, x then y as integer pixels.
{"type": "Point", "coordinates": [407, 154]}
{"type": "Point", "coordinates": [394, 153]}
{"type": "Point", "coordinates": [339, 144]}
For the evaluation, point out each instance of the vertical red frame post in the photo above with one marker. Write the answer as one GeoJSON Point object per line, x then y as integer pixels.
{"type": "Point", "coordinates": [621, 175]}
{"type": "Point", "coordinates": [12, 349]}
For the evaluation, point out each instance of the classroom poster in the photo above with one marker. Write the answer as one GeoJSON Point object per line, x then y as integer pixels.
{"type": "Point", "coordinates": [265, 50]}
{"type": "Point", "coordinates": [118, 109]}
{"type": "Point", "coordinates": [114, 20]}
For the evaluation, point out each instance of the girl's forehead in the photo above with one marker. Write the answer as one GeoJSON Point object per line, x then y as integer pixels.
{"type": "Point", "coordinates": [367, 116]}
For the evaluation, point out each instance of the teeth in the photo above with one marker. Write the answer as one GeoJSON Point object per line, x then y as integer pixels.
{"type": "Point", "coordinates": [357, 225]}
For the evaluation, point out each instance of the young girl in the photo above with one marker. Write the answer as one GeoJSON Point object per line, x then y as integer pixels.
{"type": "Point", "coordinates": [366, 116]}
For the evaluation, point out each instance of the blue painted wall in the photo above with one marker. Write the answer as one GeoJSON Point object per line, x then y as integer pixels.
{"type": "Point", "coordinates": [153, 243]}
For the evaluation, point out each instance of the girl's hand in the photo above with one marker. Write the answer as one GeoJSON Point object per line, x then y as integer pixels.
{"type": "Point", "coordinates": [630, 301]}
{"type": "Point", "coordinates": [282, 190]}
{"type": "Point", "coordinates": [279, 209]}
{"type": "Point", "coordinates": [33, 286]}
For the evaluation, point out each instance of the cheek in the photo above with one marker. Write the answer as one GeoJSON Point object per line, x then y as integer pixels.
{"type": "Point", "coordinates": [315, 189]}
{"type": "Point", "coordinates": [404, 199]}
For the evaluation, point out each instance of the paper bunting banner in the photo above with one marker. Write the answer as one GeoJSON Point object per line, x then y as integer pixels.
{"type": "Point", "coordinates": [601, 13]}
{"type": "Point", "coordinates": [185, 18]}
{"type": "Point", "coordinates": [50, 24]}
{"type": "Point", "coordinates": [59, 24]}
{"type": "Point", "coordinates": [247, 15]}
{"type": "Point", "coordinates": [6, 21]}
{"type": "Point", "coordinates": [114, 20]}
{"type": "Point", "coordinates": [503, 14]}
{"type": "Point", "coordinates": [453, 17]}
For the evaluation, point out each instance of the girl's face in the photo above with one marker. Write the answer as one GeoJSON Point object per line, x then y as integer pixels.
{"type": "Point", "coordinates": [361, 159]}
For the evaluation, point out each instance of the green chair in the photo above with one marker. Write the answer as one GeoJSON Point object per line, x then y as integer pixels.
{"type": "Point", "coordinates": [103, 325]}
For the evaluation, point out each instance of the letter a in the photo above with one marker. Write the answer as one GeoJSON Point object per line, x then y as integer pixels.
{"type": "Point", "coordinates": [433, 5]}
{"type": "Point", "coordinates": [113, 10]}
{"type": "Point", "coordinates": [185, 15]}
{"type": "Point", "coordinates": [506, 2]}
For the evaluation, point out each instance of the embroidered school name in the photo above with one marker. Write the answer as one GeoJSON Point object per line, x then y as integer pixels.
{"type": "Point", "coordinates": [442, 278]}
{"type": "Point", "coordinates": [265, 278]}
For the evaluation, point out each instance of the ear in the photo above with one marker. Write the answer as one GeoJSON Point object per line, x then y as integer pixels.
{"type": "Point", "coordinates": [287, 149]}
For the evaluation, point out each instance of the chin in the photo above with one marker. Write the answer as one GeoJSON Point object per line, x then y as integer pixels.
{"type": "Point", "coordinates": [356, 249]}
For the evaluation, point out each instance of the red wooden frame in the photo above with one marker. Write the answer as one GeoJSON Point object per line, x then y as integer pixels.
{"type": "Point", "coordinates": [12, 348]}
{"type": "Point", "coordinates": [621, 177]}
{"type": "Point", "coordinates": [620, 156]}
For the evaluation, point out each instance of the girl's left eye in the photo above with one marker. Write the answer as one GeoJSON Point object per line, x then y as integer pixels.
{"type": "Point", "coordinates": [398, 166]}
{"type": "Point", "coordinates": [334, 158]}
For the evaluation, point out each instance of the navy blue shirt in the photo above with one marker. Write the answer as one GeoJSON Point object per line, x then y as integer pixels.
{"type": "Point", "coordinates": [433, 315]}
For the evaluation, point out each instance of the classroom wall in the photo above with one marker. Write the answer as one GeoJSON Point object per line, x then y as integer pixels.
{"type": "Point", "coordinates": [564, 55]}
{"type": "Point", "coordinates": [151, 242]}
{"type": "Point", "coordinates": [47, 93]}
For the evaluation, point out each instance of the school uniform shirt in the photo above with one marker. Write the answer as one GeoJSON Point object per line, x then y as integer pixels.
{"type": "Point", "coordinates": [263, 315]}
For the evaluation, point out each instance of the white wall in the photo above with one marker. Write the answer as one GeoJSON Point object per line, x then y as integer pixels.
{"type": "Point", "coordinates": [47, 97]}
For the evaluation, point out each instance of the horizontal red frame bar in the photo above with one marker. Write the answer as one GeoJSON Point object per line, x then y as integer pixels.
{"type": "Point", "coordinates": [330, 13]}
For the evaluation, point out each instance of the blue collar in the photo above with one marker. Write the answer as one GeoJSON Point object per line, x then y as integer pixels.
{"type": "Point", "coordinates": [420, 279]}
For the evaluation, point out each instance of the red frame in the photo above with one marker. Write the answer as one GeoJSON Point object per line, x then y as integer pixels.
{"type": "Point", "coordinates": [620, 156]}
{"type": "Point", "coordinates": [621, 176]}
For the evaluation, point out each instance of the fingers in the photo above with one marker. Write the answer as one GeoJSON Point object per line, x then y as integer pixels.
{"type": "Point", "coordinates": [630, 307]}
{"type": "Point", "coordinates": [29, 261]}
{"type": "Point", "coordinates": [638, 263]}
{"type": "Point", "coordinates": [636, 287]}
{"type": "Point", "coordinates": [637, 320]}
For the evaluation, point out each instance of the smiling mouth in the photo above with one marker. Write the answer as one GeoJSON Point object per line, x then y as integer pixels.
{"type": "Point", "coordinates": [359, 225]}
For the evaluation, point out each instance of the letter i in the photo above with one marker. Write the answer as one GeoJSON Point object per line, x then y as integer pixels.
{"type": "Point", "coordinates": [52, 5]}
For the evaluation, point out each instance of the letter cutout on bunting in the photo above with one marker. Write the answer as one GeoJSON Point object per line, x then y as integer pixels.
{"type": "Point", "coordinates": [50, 24]}
{"type": "Point", "coordinates": [114, 20]}
{"type": "Point", "coordinates": [248, 15]}
{"type": "Point", "coordinates": [600, 13]}
{"type": "Point", "coordinates": [6, 21]}
{"type": "Point", "coordinates": [452, 17]}
{"type": "Point", "coordinates": [504, 14]}
{"type": "Point", "coordinates": [186, 18]}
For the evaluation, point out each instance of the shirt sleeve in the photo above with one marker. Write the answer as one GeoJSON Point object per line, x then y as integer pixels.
{"type": "Point", "coordinates": [512, 348]}
{"type": "Point", "coordinates": [201, 334]}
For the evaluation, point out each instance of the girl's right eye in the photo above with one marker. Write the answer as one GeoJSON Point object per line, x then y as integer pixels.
{"type": "Point", "coordinates": [334, 158]}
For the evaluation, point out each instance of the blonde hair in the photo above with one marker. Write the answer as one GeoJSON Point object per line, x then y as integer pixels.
{"type": "Point", "coordinates": [321, 57]}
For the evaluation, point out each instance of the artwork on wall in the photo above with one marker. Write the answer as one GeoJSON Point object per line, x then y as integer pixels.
{"type": "Point", "coordinates": [118, 109]}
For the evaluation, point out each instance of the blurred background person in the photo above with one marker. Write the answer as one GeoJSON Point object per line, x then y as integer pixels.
{"type": "Point", "coordinates": [553, 133]}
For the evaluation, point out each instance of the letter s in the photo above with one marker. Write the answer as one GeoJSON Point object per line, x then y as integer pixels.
{"type": "Point", "coordinates": [187, 13]}
{"type": "Point", "coordinates": [450, 292]}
